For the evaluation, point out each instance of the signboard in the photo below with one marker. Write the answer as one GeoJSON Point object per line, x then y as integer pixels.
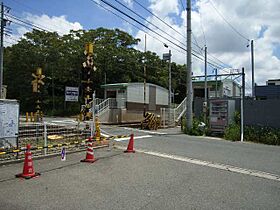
{"type": "Point", "coordinates": [166, 56]}
{"type": "Point", "coordinates": [71, 93]}
{"type": "Point", "coordinates": [9, 122]}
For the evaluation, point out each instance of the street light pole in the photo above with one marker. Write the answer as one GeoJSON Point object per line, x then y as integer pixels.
{"type": "Point", "coordinates": [169, 82]}
{"type": "Point", "coordinates": [145, 80]}
{"type": "Point", "coordinates": [1, 49]}
{"type": "Point", "coordinates": [253, 69]}
{"type": "Point", "coordinates": [205, 85]}
{"type": "Point", "coordinates": [189, 69]}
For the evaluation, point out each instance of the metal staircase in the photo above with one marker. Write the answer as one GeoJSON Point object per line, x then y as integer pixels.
{"type": "Point", "coordinates": [170, 117]}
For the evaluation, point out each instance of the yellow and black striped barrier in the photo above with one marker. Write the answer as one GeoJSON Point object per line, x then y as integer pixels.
{"type": "Point", "coordinates": [150, 122]}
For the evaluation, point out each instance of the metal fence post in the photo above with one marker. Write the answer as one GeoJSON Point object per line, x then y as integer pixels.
{"type": "Point", "coordinates": [174, 117]}
{"type": "Point", "coordinates": [164, 117]}
{"type": "Point", "coordinates": [45, 138]}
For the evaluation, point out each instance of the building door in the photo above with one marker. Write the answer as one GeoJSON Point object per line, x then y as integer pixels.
{"type": "Point", "coordinates": [152, 98]}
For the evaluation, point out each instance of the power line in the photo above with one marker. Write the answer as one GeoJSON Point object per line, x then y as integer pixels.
{"type": "Point", "coordinates": [28, 7]}
{"type": "Point", "coordinates": [130, 17]}
{"type": "Point", "coordinates": [27, 23]}
{"type": "Point", "coordinates": [182, 5]}
{"type": "Point", "coordinates": [140, 16]}
{"type": "Point", "coordinates": [158, 18]}
{"type": "Point", "coordinates": [9, 42]}
{"type": "Point", "coordinates": [201, 26]}
{"type": "Point", "coordinates": [33, 9]}
{"type": "Point", "coordinates": [196, 44]}
{"type": "Point", "coordinates": [226, 65]}
{"type": "Point", "coordinates": [230, 25]}
{"type": "Point", "coordinates": [134, 25]}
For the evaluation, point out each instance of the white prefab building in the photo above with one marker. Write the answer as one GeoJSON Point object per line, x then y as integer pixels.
{"type": "Point", "coordinates": [217, 89]}
{"type": "Point", "coordinates": [131, 96]}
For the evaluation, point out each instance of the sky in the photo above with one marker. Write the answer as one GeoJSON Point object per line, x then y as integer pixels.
{"type": "Point", "coordinates": [224, 26]}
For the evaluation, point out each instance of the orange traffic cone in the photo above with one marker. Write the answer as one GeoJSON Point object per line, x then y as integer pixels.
{"type": "Point", "coordinates": [28, 169]}
{"type": "Point", "coordinates": [89, 157]}
{"type": "Point", "coordinates": [130, 144]}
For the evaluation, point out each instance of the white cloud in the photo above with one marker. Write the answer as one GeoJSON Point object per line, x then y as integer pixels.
{"type": "Point", "coordinates": [129, 2]}
{"type": "Point", "coordinates": [59, 24]}
{"type": "Point", "coordinates": [164, 7]}
{"type": "Point", "coordinates": [248, 17]}
{"type": "Point", "coordinates": [54, 23]}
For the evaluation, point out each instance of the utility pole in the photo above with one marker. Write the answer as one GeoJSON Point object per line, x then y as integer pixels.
{"type": "Point", "coordinates": [145, 79]}
{"type": "Point", "coordinates": [205, 85]}
{"type": "Point", "coordinates": [169, 92]}
{"type": "Point", "coordinates": [169, 80]}
{"type": "Point", "coordinates": [242, 107]}
{"type": "Point", "coordinates": [253, 69]}
{"type": "Point", "coordinates": [1, 49]}
{"type": "Point", "coordinates": [105, 82]}
{"type": "Point", "coordinates": [189, 68]}
{"type": "Point", "coordinates": [216, 78]}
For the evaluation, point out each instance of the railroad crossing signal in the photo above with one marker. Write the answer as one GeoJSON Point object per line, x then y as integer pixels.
{"type": "Point", "coordinates": [88, 67]}
{"type": "Point", "coordinates": [89, 49]}
{"type": "Point", "coordinates": [38, 80]}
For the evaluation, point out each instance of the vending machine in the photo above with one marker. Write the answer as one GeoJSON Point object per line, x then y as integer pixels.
{"type": "Point", "coordinates": [221, 114]}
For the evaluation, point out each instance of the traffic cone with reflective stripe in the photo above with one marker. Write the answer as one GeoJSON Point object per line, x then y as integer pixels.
{"type": "Point", "coordinates": [28, 168]}
{"type": "Point", "coordinates": [89, 157]}
{"type": "Point", "coordinates": [130, 145]}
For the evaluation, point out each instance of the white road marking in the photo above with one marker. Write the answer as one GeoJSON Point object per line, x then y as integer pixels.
{"type": "Point", "coordinates": [105, 135]}
{"type": "Point", "coordinates": [220, 166]}
{"type": "Point", "coordinates": [135, 137]}
{"type": "Point", "coordinates": [65, 121]}
{"type": "Point", "coordinates": [144, 131]}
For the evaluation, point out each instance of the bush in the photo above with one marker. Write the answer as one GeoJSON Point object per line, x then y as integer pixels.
{"type": "Point", "coordinates": [196, 130]}
{"type": "Point", "coordinates": [265, 135]}
{"type": "Point", "coordinates": [232, 132]}
{"type": "Point", "coordinates": [258, 134]}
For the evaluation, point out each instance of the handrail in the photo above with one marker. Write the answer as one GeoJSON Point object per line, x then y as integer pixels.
{"type": "Point", "coordinates": [180, 110]}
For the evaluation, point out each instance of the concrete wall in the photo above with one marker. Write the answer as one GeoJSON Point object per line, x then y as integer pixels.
{"type": "Point", "coordinates": [132, 116]}
{"type": "Point", "coordinates": [262, 112]}
{"type": "Point", "coordinates": [256, 112]}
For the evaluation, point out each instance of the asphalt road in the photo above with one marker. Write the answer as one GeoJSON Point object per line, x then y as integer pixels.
{"type": "Point", "coordinates": [143, 181]}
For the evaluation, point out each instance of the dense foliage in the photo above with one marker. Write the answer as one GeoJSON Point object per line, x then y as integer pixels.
{"type": "Point", "coordinates": [61, 58]}
{"type": "Point", "coordinates": [259, 134]}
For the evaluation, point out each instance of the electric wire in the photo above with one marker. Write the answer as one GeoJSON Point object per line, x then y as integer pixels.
{"type": "Point", "coordinates": [170, 41]}
{"type": "Point", "coordinates": [230, 25]}
{"type": "Point", "coordinates": [134, 25]}
{"type": "Point", "coordinates": [158, 18]}
{"type": "Point", "coordinates": [140, 16]}
{"type": "Point", "coordinates": [27, 23]}
{"type": "Point", "coordinates": [196, 44]}
{"type": "Point", "coordinates": [202, 29]}
{"type": "Point", "coordinates": [182, 5]}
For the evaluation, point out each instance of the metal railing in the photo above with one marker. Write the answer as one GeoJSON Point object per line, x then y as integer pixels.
{"type": "Point", "coordinates": [48, 138]}
{"type": "Point", "coordinates": [102, 106]}
{"type": "Point", "coordinates": [180, 109]}
{"type": "Point", "coordinates": [170, 117]}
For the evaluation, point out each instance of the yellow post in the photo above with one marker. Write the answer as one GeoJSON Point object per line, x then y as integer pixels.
{"type": "Point", "coordinates": [97, 129]}
{"type": "Point", "coordinates": [31, 117]}
{"type": "Point", "coordinates": [26, 119]}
